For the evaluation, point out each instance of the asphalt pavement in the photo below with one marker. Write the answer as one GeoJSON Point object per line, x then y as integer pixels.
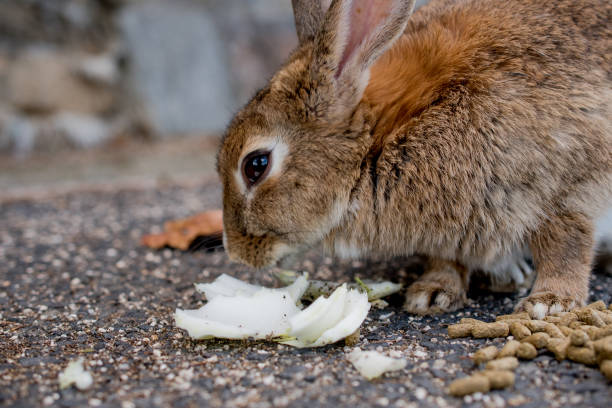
{"type": "Point", "coordinates": [75, 281]}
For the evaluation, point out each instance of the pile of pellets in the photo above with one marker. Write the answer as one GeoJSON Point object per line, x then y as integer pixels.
{"type": "Point", "coordinates": [583, 335]}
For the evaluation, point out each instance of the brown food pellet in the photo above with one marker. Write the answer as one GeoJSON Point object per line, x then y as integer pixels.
{"type": "Point", "coordinates": [603, 332]}
{"type": "Point", "coordinates": [498, 379]}
{"type": "Point", "coordinates": [567, 318]}
{"type": "Point", "coordinates": [514, 316]}
{"type": "Point", "coordinates": [603, 348]}
{"type": "Point", "coordinates": [591, 331]}
{"type": "Point", "coordinates": [539, 340]}
{"type": "Point", "coordinates": [576, 324]}
{"type": "Point", "coordinates": [519, 330]}
{"type": "Point", "coordinates": [503, 364]}
{"type": "Point", "coordinates": [553, 331]}
{"type": "Point", "coordinates": [583, 335]}
{"type": "Point", "coordinates": [509, 350]}
{"type": "Point", "coordinates": [579, 338]}
{"type": "Point", "coordinates": [536, 326]}
{"type": "Point", "coordinates": [553, 319]}
{"type": "Point", "coordinates": [526, 351]}
{"type": "Point", "coordinates": [566, 330]}
{"type": "Point", "coordinates": [485, 354]}
{"type": "Point", "coordinates": [606, 369]}
{"type": "Point", "coordinates": [597, 318]}
{"type": "Point", "coordinates": [469, 385]}
{"type": "Point", "coordinates": [584, 355]}
{"type": "Point", "coordinates": [460, 330]}
{"type": "Point", "coordinates": [599, 305]}
{"type": "Point", "coordinates": [558, 347]}
{"type": "Point", "coordinates": [606, 317]}
{"type": "Point", "coordinates": [469, 320]}
{"type": "Point", "coordinates": [590, 317]}
{"type": "Point", "coordinates": [490, 330]}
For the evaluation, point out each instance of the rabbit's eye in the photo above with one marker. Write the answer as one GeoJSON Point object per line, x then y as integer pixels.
{"type": "Point", "coordinates": [255, 166]}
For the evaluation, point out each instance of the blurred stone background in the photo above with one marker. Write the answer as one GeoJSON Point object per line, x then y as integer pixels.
{"type": "Point", "coordinates": [78, 74]}
{"type": "Point", "coordinates": [83, 73]}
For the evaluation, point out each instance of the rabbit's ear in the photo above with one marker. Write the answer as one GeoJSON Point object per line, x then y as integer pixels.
{"type": "Point", "coordinates": [308, 16]}
{"type": "Point", "coordinates": [353, 35]}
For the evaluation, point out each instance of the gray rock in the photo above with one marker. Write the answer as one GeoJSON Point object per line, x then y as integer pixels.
{"type": "Point", "coordinates": [83, 131]}
{"type": "Point", "coordinates": [6, 141]}
{"type": "Point", "coordinates": [22, 134]}
{"type": "Point", "coordinates": [78, 13]}
{"type": "Point", "coordinates": [177, 65]}
{"type": "Point", "coordinates": [100, 69]}
{"type": "Point", "coordinates": [44, 80]}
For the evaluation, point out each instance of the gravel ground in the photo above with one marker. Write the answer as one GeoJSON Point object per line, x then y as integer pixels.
{"type": "Point", "coordinates": [74, 281]}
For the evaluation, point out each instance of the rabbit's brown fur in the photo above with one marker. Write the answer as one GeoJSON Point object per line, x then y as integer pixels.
{"type": "Point", "coordinates": [482, 134]}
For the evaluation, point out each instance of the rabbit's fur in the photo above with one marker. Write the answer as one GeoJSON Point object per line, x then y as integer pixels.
{"type": "Point", "coordinates": [475, 132]}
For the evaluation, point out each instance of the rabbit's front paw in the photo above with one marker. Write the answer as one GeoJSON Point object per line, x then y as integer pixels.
{"type": "Point", "coordinates": [433, 297]}
{"type": "Point", "coordinates": [541, 304]}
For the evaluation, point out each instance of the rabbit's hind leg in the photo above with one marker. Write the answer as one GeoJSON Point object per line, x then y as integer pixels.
{"type": "Point", "coordinates": [442, 288]}
{"type": "Point", "coordinates": [562, 250]}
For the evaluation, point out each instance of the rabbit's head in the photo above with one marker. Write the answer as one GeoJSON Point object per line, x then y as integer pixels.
{"type": "Point", "coordinates": [291, 158]}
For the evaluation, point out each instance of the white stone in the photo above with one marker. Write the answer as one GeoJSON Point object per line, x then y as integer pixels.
{"type": "Point", "coordinates": [372, 364]}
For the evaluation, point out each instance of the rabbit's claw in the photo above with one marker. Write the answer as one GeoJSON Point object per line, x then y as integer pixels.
{"type": "Point", "coordinates": [542, 304]}
{"type": "Point", "coordinates": [425, 297]}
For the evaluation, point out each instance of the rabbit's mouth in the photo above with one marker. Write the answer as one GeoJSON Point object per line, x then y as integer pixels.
{"type": "Point", "coordinates": [256, 251]}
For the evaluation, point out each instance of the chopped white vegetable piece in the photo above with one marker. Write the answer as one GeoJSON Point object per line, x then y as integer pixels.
{"type": "Point", "coordinates": [75, 374]}
{"type": "Point", "coordinates": [372, 364]}
{"type": "Point", "coordinates": [354, 310]}
{"type": "Point", "coordinates": [226, 285]}
{"type": "Point", "coordinates": [238, 310]}
{"type": "Point", "coordinates": [317, 288]}
{"type": "Point", "coordinates": [379, 290]}
{"type": "Point", "coordinates": [308, 325]}
{"type": "Point", "coordinates": [263, 314]}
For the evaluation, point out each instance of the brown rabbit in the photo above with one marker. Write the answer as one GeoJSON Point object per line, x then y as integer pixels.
{"type": "Point", "coordinates": [476, 132]}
